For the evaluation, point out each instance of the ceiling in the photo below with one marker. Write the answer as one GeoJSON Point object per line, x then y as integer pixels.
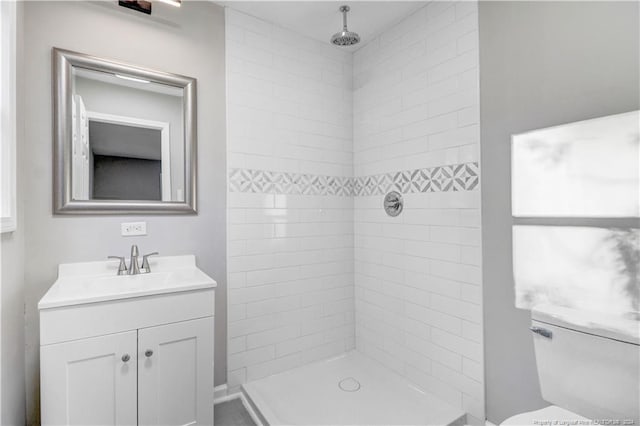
{"type": "Point", "coordinates": [321, 19]}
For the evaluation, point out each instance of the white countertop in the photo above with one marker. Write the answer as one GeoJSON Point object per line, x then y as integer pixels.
{"type": "Point", "coordinates": [90, 282]}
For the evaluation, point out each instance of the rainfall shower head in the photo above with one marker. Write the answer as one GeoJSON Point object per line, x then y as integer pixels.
{"type": "Point", "coordinates": [345, 37]}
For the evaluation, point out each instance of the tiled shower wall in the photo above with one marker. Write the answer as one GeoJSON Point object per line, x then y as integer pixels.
{"type": "Point", "coordinates": [310, 158]}
{"type": "Point", "coordinates": [290, 160]}
{"type": "Point", "coordinates": [417, 276]}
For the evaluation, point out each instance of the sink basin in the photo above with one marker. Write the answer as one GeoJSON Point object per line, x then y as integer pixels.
{"type": "Point", "coordinates": [91, 282]}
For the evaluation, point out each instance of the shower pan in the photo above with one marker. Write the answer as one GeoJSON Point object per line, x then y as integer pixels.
{"type": "Point", "coordinates": [350, 389]}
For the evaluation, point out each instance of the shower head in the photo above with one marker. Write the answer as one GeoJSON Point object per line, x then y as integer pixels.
{"type": "Point", "coordinates": [345, 37]}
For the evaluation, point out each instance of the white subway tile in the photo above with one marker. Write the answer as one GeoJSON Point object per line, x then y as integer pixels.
{"type": "Point", "coordinates": [459, 64]}
{"type": "Point", "coordinates": [308, 275]}
{"type": "Point", "coordinates": [235, 378]}
{"type": "Point", "coordinates": [475, 410]}
{"type": "Point", "coordinates": [237, 280]}
{"type": "Point", "coordinates": [236, 312]}
{"type": "Point", "coordinates": [272, 306]}
{"type": "Point", "coordinates": [455, 137]}
{"type": "Point", "coordinates": [462, 346]}
{"type": "Point", "coordinates": [430, 126]}
{"type": "Point", "coordinates": [433, 284]}
{"type": "Point", "coordinates": [299, 344]}
{"type": "Point", "coordinates": [237, 344]}
{"type": "Point", "coordinates": [429, 383]}
{"type": "Point", "coordinates": [273, 336]}
{"type": "Point", "coordinates": [456, 271]}
{"type": "Point", "coordinates": [467, 385]}
{"type": "Point", "coordinates": [467, 42]}
{"type": "Point", "coordinates": [471, 293]}
{"type": "Point", "coordinates": [434, 318]}
{"type": "Point", "coordinates": [251, 357]}
{"type": "Point", "coordinates": [473, 370]}
{"type": "Point", "coordinates": [471, 255]}
{"type": "Point", "coordinates": [435, 352]}
{"type": "Point", "coordinates": [252, 325]}
{"type": "Point", "coordinates": [472, 330]}
{"type": "Point", "coordinates": [464, 8]}
{"type": "Point", "coordinates": [236, 248]}
{"type": "Point", "coordinates": [246, 295]}
{"type": "Point", "coordinates": [456, 308]}
{"type": "Point", "coordinates": [275, 366]}
{"type": "Point", "coordinates": [456, 235]}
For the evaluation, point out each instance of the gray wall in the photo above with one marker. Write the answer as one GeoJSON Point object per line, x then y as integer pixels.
{"type": "Point", "coordinates": [12, 332]}
{"type": "Point", "coordinates": [12, 282]}
{"type": "Point", "coordinates": [187, 40]}
{"type": "Point", "coordinates": [541, 64]}
{"type": "Point", "coordinates": [123, 178]}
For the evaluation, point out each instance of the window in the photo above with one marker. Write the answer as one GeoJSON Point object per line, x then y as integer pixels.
{"type": "Point", "coordinates": [7, 116]}
{"type": "Point", "coordinates": [576, 209]}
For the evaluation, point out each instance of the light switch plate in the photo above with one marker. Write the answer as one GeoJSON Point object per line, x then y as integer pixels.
{"type": "Point", "coordinates": [133, 228]}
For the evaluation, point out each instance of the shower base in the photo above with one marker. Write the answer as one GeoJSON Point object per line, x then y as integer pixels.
{"type": "Point", "coordinates": [347, 390]}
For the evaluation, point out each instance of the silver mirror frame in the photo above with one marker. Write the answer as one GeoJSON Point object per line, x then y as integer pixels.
{"type": "Point", "coordinates": [63, 204]}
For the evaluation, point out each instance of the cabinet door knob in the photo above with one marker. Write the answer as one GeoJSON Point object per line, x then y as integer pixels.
{"type": "Point", "coordinates": [148, 353]}
{"type": "Point", "coordinates": [125, 357]}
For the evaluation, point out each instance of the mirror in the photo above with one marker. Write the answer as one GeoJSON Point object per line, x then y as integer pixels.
{"type": "Point", "coordinates": [125, 138]}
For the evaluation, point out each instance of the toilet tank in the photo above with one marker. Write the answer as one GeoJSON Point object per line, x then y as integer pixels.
{"type": "Point", "coordinates": [588, 363]}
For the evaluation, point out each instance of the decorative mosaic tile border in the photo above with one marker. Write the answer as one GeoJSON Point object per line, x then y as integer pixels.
{"type": "Point", "coordinates": [454, 177]}
{"type": "Point", "coordinates": [268, 182]}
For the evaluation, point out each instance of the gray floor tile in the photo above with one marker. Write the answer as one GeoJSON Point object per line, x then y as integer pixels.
{"type": "Point", "coordinates": [232, 413]}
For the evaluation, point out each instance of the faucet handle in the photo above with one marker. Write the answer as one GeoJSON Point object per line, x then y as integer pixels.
{"type": "Point", "coordinates": [122, 267]}
{"type": "Point", "coordinates": [145, 261]}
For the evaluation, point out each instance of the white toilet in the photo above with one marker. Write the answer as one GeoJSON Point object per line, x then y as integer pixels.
{"type": "Point", "coordinates": [588, 365]}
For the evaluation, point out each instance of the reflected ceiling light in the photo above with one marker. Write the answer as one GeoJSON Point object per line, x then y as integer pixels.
{"type": "Point", "coordinates": [126, 77]}
{"type": "Point", "coordinates": [175, 3]}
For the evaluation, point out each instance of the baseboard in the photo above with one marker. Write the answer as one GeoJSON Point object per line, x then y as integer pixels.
{"type": "Point", "coordinates": [219, 392]}
{"type": "Point", "coordinates": [254, 407]}
{"type": "Point", "coordinates": [221, 395]}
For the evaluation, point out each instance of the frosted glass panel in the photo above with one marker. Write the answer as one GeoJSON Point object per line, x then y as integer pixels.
{"type": "Point", "coordinates": [593, 269]}
{"type": "Point", "coordinates": [585, 169]}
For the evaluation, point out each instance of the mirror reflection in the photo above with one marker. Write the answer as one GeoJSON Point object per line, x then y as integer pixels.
{"type": "Point", "coordinates": [127, 138]}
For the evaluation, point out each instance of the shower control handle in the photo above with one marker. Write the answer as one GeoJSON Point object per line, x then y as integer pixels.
{"type": "Point", "coordinates": [393, 203]}
{"type": "Point", "coordinates": [542, 331]}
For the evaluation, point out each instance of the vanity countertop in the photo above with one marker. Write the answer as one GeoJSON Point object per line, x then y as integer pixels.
{"type": "Point", "coordinates": [90, 282]}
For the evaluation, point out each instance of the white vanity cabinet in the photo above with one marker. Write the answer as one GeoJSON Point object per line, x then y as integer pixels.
{"type": "Point", "coordinates": [127, 350]}
{"type": "Point", "coordinates": [87, 382]}
{"type": "Point", "coordinates": [175, 373]}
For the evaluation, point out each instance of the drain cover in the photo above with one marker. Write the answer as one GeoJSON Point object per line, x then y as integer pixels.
{"type": "Point", "coordinates": [349, 384]}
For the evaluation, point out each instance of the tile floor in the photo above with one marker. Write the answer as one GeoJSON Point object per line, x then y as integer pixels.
{"type": "Point", "coordinates": [232, 413]}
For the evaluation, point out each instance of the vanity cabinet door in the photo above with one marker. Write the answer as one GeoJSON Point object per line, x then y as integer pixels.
{"type": "Point", "coordinates": [90, 381]}
{"type": "Point", "coordinates": [175, 373]}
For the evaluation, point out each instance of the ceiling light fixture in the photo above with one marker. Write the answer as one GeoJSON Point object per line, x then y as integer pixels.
{"type": "Point", "coordinates": [126, 77]}
{"type": "Point", "coordinates": [175, 3]}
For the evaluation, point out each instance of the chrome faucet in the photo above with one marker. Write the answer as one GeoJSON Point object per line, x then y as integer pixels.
{"type": "Point", "coordinates": [145, 262]}
{"type": "Point", "coordinates": [134, 266]}
{"type": "Point", "coordinates": [122, 267]}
